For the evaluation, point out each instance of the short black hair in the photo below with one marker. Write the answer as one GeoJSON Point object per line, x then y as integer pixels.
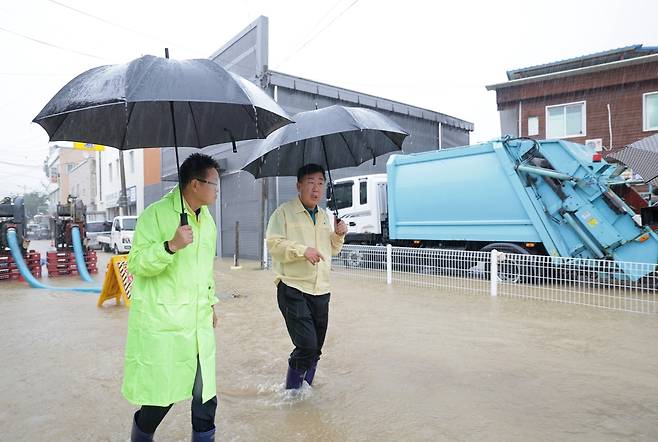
{"type": "Point", "coordinates": [196, 166]}
{"type": "Point", "coordinates": [309, 169]}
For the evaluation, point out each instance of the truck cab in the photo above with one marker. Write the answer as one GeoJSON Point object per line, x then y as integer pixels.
{"type": "Point", "coordinates": [362, 203]}
{"type": "Point", "coordinates": [121, 235]}
{"type": "Point", "coordinates": [94, 230]}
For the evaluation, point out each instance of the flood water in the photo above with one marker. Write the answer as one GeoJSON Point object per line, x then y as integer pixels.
{"type": "Point", "coordinates": [399, 364]}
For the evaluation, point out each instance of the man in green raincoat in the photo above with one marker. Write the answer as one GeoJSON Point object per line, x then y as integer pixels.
{"type": "Point", "coordinates": [170, 347]}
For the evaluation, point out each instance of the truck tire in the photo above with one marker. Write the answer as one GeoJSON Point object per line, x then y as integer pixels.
{"type": "Point", "coordinates": [116, 250]}
{"type": "Point", "coordinates": [515, 267]}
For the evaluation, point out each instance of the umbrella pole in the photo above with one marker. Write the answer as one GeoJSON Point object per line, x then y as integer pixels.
{"type": "Point", "coordinates": [183, 215]}
{"type": "Point", "coordinates": [331, 182]}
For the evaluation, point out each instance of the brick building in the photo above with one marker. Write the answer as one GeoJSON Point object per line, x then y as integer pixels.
{"type": "Point", "coordinates": [608, 99]}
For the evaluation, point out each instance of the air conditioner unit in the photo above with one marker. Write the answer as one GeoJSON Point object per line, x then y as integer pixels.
{"type": "Point", "coordinates": [596, 143]}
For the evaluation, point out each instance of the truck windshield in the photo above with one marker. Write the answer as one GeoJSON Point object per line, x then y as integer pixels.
{"type": "Point", "coordinates": [129, 223]}
{"type": "Point", "coordinates": [342, 195]}
{"type": "Point", "coordinates": [96, 227]}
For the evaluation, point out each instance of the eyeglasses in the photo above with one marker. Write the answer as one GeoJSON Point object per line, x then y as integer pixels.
{"type": "Point", "coordinates": [206, 181]}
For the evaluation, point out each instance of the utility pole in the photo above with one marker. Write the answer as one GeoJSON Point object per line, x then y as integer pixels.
{"type": "Point", "coordinates": [123, 198]}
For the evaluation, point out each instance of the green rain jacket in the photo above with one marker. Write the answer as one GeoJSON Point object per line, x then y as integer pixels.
{"type": "Point", "coordinates": [170, 320]}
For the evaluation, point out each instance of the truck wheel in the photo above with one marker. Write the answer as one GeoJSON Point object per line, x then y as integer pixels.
{"type": "Point", "coordinates": [116, 249]}
{"type": "Point", "coordinates": [515, 267]}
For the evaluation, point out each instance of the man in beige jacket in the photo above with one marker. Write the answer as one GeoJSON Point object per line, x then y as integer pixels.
{"type": "Point", "coordinates": [301, 241]}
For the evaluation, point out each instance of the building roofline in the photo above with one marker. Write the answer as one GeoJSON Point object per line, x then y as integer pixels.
{"type": "Point", "coordinates": [577, 71]}
{"type": "Point", "coordinates": [250, 27]}
{"type": "Point", "coordinates": [293, 82]}
{"type": "Point", "coordinates": [636, 49]}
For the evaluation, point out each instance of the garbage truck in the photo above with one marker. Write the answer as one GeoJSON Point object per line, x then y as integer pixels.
{"type": "Point", "coordinates": [523, 196]}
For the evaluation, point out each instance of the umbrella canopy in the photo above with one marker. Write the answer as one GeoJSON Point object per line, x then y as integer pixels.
{"type": "Point", "coordinates": [127, 106]}
{"type": "Point", "coordinates": [642, 157]}
{"type": "Point", "coordinates": [335, 136]}
{"type": "Point", "coordinates": [154, 101]}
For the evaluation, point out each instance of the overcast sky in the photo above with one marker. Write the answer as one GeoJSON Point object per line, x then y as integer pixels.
{"type": "Point", "coordinates": [436, 55]}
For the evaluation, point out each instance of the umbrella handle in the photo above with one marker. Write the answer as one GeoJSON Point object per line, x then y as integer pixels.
{"type": "Point", "coordinates": [183, 219]}
{"type": "Point", "coordinates": [333, 200]}
{"type": "Point", "coordinates": [331, 182]}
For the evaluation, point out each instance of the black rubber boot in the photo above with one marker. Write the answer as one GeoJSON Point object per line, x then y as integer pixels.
{"type": "Point", "coordinates": [206, 436]}
{"type": "Point", "coordinates": [137, 435]}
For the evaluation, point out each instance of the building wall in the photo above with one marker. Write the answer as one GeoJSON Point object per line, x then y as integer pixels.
{"type": "Point", "coordinates": [110, 187]}
{"type": "Point", "coordinates": [622, 89]}
{"type": "Point", "coordinates": [68, 159]}
{"type": "Point", "coordinates": [241, 195]}
{"type": "Point", "coordinates": [82, 183]}
{"type": "Point", "coordinates": [152, 189]}
{"type": "Point", "coordinates": [250, 201]}
{"type": "Point", "coordinates": [626, 114]}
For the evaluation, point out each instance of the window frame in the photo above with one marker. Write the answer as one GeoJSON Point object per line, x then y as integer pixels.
{"type": "Point", "coordinates": [644, 113]}
{"type": "Point", "coordinates": [536, 132]}
{"type": "Point", "coordinates": [363, 191]}
{"type": "Point", "coordinates": [564, 105]}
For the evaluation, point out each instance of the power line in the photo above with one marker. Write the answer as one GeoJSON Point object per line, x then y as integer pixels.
{"type": "Point", "coordinates": [9, 163]}
{"type": "Point", "coordinates": [32, 74]}
{"type": "Point", "coordinates": [111, 23]}
{"type": "Point", "coordinates": [62, 48]}
{"type": "Point", "coordinates": [320, 31]}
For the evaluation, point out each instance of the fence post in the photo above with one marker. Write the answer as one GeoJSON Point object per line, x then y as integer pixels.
{"type": "Point", "coordinates": [389, 264]}
{"type": "Point", "coordinates": [494, 272]}
{"type": "Point", "coordinates": [236, 255]}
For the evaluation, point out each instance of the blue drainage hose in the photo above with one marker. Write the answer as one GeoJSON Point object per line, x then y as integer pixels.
{"type": "Point", "coordinates": [80, 255]}
{"type": "Point", "coordinates": [25, 272]}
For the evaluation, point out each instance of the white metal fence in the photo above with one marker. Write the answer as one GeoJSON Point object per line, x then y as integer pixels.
{"type": "Point", "coordinates": [611, 285]}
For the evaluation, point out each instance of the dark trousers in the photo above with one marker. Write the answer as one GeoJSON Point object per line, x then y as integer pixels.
{"type": "Point", "coordinates": [203, 415]}
{"type": "Point", "coordinates": [306, 318]}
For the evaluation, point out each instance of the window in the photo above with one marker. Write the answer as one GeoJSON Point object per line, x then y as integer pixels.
{"type": "Point", "coordinates": [533, 126]}
{"type": "Point", "coordinates": [131, 159]}
{"type": "Point", "coordinates": [129, 223]}
{"type": "Point", "coordinates": [565, 120]}
{"type": "Point", "coordinates": [110, 171]}
{"type": "Point", "coordinates": [650, 111]}
{"type": "Point", "coordinates": [96, 226]}
{"type": "Point", "coordinates": [342, 195]}
{"type": "Point", "coordinates": [363, 192]}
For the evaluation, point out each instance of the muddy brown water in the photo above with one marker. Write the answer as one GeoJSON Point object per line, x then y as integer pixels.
{"type": "Point", "coordinates": [399, 364]}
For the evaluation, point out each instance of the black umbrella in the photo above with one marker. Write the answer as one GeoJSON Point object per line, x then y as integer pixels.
{"type": "Point", "coordinates": [642, 157]}
{"type": "Point", "coordinates": [335, 136]}
{"type": "Point", "coordinates": [157, 102]}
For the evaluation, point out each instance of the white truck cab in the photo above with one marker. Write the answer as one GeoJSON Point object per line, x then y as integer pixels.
{"type": "Point", "coordinates": [121, 236]}
{"type": "Point", "coordinates": [362, 204]}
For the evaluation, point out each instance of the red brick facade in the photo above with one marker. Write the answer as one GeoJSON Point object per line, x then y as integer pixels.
{"type": "Point", "coordinates": [621, 88]}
